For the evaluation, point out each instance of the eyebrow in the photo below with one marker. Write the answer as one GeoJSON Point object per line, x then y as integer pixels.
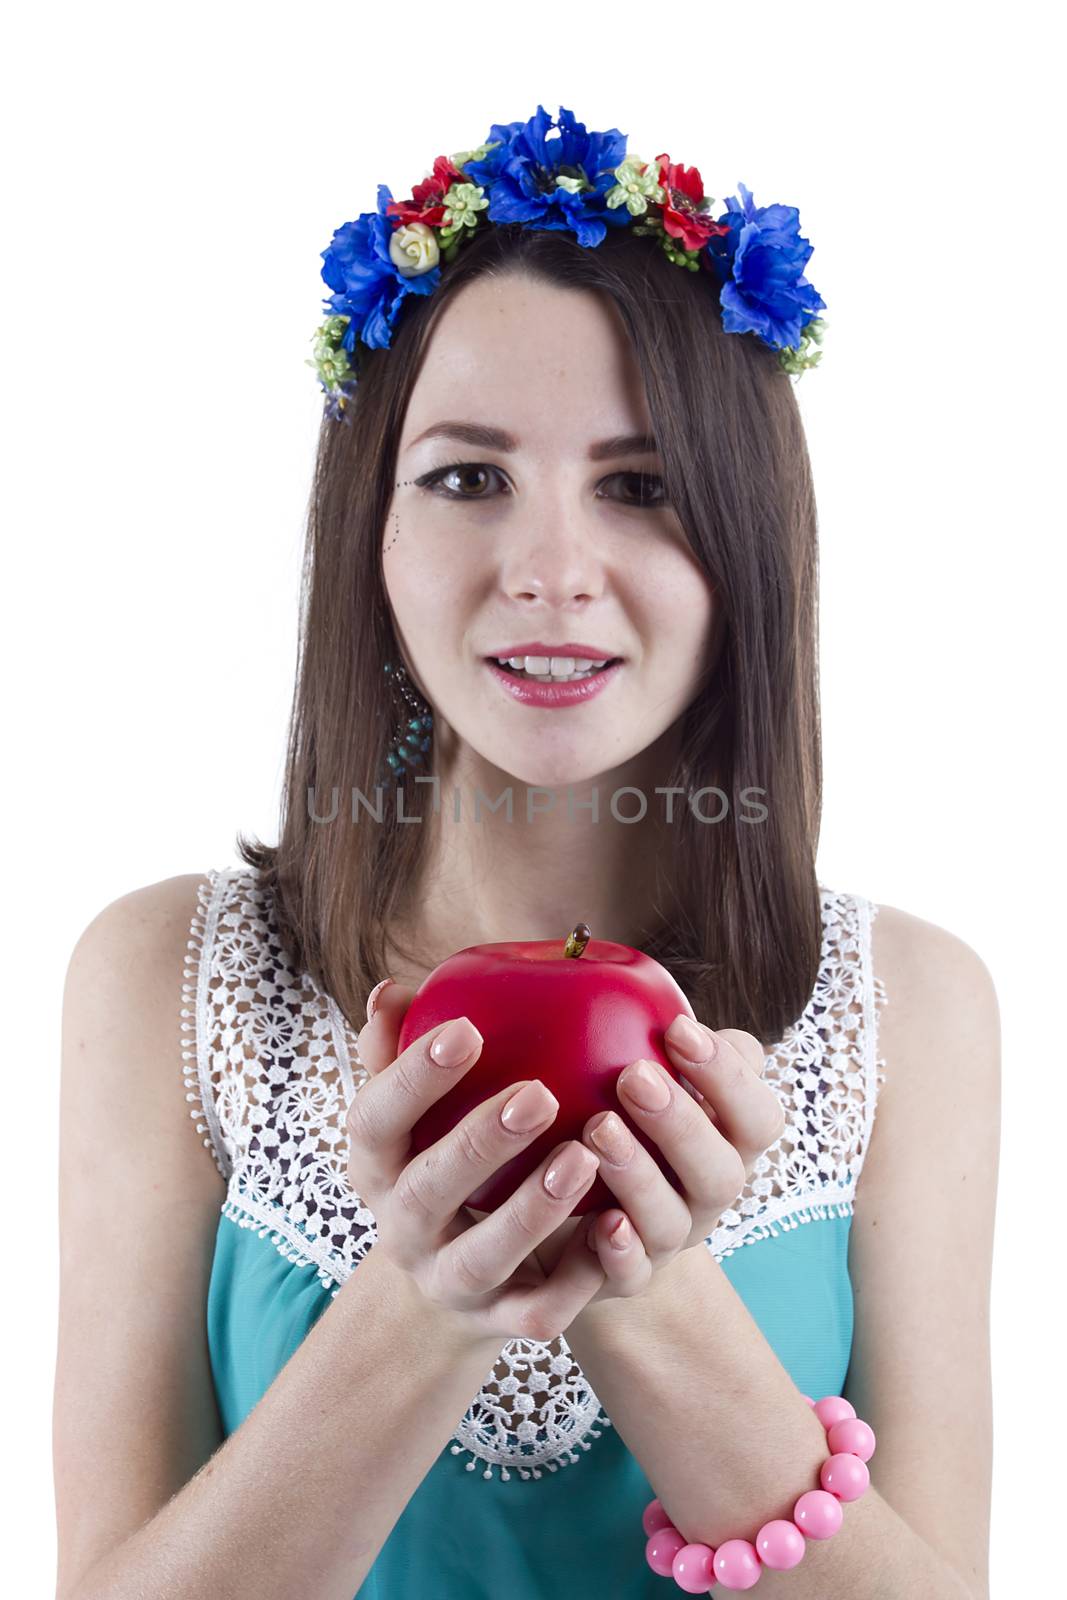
{"type": "Point", "coordinates": [489, 438]}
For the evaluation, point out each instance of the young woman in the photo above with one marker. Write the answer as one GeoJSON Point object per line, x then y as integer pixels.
{"type": "Point", "coordinates": [561, 568]}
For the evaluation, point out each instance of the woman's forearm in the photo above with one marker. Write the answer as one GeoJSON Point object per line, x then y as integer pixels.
{"type": "Point", "coordinates": [703, 1403]}
{"type": "Point", "coordinates": [301, 1498]}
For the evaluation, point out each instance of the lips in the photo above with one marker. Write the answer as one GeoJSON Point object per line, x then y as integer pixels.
{"type": "Point", "coordinates": [543, 691]}
{"type": "Point", "coordinates": [538, 647]}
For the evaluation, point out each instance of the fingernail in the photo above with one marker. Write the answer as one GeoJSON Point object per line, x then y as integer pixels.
{"type": "Point", "coordinates": [455, 1042]}
{"type": "Point", "coordinates": [612, 1139]}
{"type": "Point", "coordinates": [531, 1104]}
{"type": "Point", "coordinates": [372, 998]}
{"type": "Point", "coordinates": [691, 1040]}
{"type": "Point", "coordinates": [621, 1234]}
{"type": "Point", "coordinates": [646, 1087]}
{"type": "Point", "coordinates": [570, 1170]}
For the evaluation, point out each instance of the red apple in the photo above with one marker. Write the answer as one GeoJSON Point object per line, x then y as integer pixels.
{"type": "Point", "coordinates": [573, 1012]}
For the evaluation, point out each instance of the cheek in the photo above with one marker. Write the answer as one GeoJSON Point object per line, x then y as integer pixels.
{"type": "Point", "coordinates": [426, 580]}
{"type": "Point", "coordinates": [681, 604]}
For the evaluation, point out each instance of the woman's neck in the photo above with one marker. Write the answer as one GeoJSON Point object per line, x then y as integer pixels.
{"type": "Point", "coordinates": [538, 874]}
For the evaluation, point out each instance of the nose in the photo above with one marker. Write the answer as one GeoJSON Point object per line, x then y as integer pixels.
{"type": "Point", "coordinates": [555, 561]}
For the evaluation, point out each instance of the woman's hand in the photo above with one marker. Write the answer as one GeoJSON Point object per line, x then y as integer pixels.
{"type": "Point", "coordinates": [483, 1275]}
{"type": "Point", "coordinates": [711, 1139]}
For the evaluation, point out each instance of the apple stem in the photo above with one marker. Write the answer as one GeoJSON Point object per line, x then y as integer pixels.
{"type": "Point", "coordinates": [577, 940]}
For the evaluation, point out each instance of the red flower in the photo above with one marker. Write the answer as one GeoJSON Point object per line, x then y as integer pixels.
{"type": "Point", "coordinates": [427, 198]}
{"type": "Point", "coordinates": [684, 189]}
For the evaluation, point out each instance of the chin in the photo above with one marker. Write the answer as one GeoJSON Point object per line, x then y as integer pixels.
{"type": "Point", "coordinates": [494, 763]}
{"type": "Point", "coordinates": [541, 774]}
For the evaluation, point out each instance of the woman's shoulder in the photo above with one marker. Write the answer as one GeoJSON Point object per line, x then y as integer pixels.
{"type": "Point", "coordinates": [919, 959]}
{"type": "Point", "coordinates": [122, 1084]}
{"type": "Point", "coordinates": [906, 949]}
{"type": "Point", "coordinates": [140, 930]}
{"type": "Point", "coordinates": [942, 1020]}
{"type": "Point", "coordinates": [127, 963]}
{"type": "Point", "coordinates": [934, 986]}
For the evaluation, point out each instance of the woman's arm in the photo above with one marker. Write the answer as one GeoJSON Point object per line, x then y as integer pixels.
{"type": "Point", "coordinates": [701, 1399]}
{"type": "Point", "coordinates": [301, 1498]}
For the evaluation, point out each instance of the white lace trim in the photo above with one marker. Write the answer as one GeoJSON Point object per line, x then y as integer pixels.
{"type": "Point", "coordinates": [827, 1074]}
{"type": "Point", "coordinates": [276, 1065]}
{"type": "Point", "coordinates": [194, 1005]}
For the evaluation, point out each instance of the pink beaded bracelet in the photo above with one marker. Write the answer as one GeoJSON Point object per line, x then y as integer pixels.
{"type": "Point", "coordinates": [779, 1544]}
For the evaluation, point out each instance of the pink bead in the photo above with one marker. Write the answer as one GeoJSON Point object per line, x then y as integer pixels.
{"type": "Point", "coordinates": [736, 1564]}
{"type": "Point", "coordinates": [692, 1568]}
{"type": "Point", "coordinates": [655, 1517]}
{"type": "Point", "coordinates": [818, 1514]}
{"type": "Point", "coordinates": [833, 1408]}
{"type": "Point", "coordinates": [845, 1475]}
{"type": "Point", "coordinates": [780, 1544]}
{"type": "Point", "coordinates": [662, 1548]}
{"type": "Point", "coordinates": [852, 1436]}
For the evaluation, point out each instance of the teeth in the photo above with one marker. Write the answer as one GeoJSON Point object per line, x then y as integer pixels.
{"type": "Point", "coordinates": [555, 668]}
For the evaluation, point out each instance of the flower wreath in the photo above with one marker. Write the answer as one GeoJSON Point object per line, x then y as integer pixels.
{"type": "Point", "coordinates": [575, 180]}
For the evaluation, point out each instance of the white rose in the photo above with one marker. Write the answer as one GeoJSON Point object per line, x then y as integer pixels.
{"type": "Point", "coordinates": [413, 249]}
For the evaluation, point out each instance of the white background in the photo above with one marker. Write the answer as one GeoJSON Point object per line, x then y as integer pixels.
{"type": "Point", "coordinates": [173, 173]}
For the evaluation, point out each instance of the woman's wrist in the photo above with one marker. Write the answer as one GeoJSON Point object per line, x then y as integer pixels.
{"type": "Point", "coordinates": [443, 1327]}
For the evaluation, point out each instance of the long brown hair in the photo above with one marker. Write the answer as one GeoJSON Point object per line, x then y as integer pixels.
{"type": "Point", "coordinates": [743, 935]}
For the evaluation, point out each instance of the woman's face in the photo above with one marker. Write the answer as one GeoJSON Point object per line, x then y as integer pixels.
{"type": "Point", "coordinates": [540, 537]}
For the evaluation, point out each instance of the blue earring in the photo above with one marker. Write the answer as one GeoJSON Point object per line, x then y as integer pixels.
{"type": "Point", "coordinates": [414, 729]}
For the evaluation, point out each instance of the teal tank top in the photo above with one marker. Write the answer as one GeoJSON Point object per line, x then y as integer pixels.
{"type": "Point", "coordinates": [535, 1497]}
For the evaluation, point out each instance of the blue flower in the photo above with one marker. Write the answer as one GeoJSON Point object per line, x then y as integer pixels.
{"type": "Point", "coordinates": [368, 287]}
{"type": "Point", "coordinates": [762, 261]}
{"type": "Point", "coordinates": [338, 402]}
{"type": "Point", "coordinates": [552, 183]}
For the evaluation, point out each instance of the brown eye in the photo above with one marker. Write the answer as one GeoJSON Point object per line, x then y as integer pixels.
{"type": "Point", "coordinates": [642, 488]}
{"type": "Point", "coordinates": [471, 480]}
